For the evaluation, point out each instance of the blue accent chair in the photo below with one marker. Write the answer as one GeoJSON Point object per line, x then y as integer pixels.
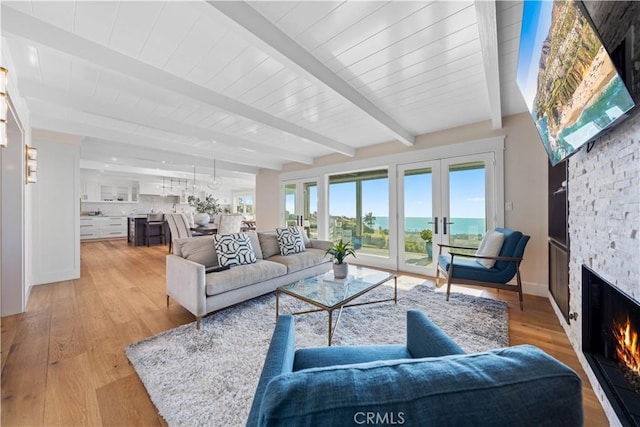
{"type": "Point", "coordinates": [430, 381]}
{"type": "Point", "coordinates": [465, 269]}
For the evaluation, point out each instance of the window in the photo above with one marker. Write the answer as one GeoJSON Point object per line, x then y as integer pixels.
{"type": "Point", "coordinates": [244, 205]}
{"type": "Point", "coordinates": [359, 210]}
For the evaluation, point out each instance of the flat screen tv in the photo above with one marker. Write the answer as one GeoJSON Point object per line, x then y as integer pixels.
{"type": "Point", "coordinates": [569, 83]}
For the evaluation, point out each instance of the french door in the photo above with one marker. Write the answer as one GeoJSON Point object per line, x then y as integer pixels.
{"type": "Point", "coordinates": [301, 205]}
{"type": "Point", "coordinates": [447, 201]}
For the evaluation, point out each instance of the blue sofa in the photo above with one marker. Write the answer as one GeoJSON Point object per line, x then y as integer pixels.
{"type": "Point", "coordinates": [428, 382]}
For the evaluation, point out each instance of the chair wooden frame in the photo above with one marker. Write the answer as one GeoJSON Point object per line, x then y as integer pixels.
{"type": "Point", "coordinates": [450, 279]}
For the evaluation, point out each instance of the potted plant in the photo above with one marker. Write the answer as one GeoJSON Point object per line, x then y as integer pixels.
{"type": "Point", "coordinates": [204, 208]}
{"type": "Point", "coordinates": [427, 236]}
{"type": "Point", "coordinates": [339, 251]}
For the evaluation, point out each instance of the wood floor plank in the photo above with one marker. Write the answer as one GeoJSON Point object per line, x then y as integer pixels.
{"type": "Point", "coordinates": [25, 371]}
{"type": "Point", "coordinates": [84, 325]}
{"type": "Point", "coordinates": [122, 403]}
{"type": "Point", "coordinates": [8, 326]}
{"type": "Point", "coordinates": [71, 398]}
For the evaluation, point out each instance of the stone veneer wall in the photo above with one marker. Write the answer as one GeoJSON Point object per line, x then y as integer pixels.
{"type": "Point", "coordinates": [604, 222]}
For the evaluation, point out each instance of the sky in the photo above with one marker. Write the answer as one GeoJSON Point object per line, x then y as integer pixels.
{"type": "Point", "coordinates": [536, 21]}
{"type": "Point", "coordinates": [466, 193]}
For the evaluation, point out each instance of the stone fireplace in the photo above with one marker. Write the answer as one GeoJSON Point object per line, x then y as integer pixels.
{"type": "Point", "coordinates": [604, 223]}
{"type": "Point", "coordinates": [611, 345]}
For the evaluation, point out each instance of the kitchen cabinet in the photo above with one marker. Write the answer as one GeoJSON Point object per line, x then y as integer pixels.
{"type": "Point", "coordinates": [93, 191]}
{"type": "Point", "coordinates": [118, 193]}
{"type": "Point", "coordinates": [88, 229]}
{"type": "Point", "coordinates": [103, 227]}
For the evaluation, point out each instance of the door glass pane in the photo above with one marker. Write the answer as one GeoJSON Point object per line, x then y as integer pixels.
{"type": "Point", "coordinates": [374, 217]}
{"type": "Point", "coordinates": [418, 213]}
{"type": "Point", "coordinates": [311, 209]}
{"type": "Point", "coordinates": [359, 210]}
{"type": "Point", "coordinates": [290, 205]}
{"type": "Point", "coordinates": [342, 211]}
{"type": "Point", "coordinates": [467, 205]}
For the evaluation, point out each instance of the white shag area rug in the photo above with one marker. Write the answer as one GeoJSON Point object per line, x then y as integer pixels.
{"type": "Point", "coordinates": [208, 377]}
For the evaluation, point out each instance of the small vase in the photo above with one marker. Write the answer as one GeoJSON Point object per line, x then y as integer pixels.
{"type": "Point", "coordinates": [340, 271]}
{"type": "Point", "coordinates": [201, 218]}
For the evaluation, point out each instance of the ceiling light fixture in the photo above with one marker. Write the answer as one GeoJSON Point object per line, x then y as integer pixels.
{"type": "Point", "coordinates": [216, 180]}
{"type": "Point", "coordinates": [4, 105]}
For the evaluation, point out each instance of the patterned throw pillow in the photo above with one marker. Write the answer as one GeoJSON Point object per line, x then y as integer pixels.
{"type": "Point", "coordinates": [234, 249]}
{"type": "Point", "coordinates": [290, 240]}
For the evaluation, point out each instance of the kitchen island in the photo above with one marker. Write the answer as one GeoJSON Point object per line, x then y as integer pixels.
{"type": "Point", "coordinates": [135, 231]}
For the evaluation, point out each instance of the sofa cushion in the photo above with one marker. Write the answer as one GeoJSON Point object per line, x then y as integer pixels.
{"type": "Point", "coordinates": [528, 386]}
{"type": "Point", "coordinates": [490, 246]}
{"type": "Point", "coordinates": [197, 249]}
{"type": "Point", "coordinates": [234, 249]}
{"type": "Point", "coordinates": [305, 238]}
{"type": "Point", "coordinates": [290, 240]}
{"type": "Point", "coordinates": [302, 260]}
{"type": "Point", "coordinates": [243, 275]}
{"type": "Point", "coordinates": [268, 243]}
{"type": "Point", "coordinates": [255, 243]}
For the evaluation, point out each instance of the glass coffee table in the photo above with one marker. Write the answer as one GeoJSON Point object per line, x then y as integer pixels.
{"type": "Point", "coordinates": [330, 294]}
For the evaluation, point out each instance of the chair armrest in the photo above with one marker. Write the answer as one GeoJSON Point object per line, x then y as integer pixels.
{"type": "Point", "coordinates": [279, 360]}
{"type": "Point", "coordinates": [425, 339]}
{"type": "Point", "coordinates": [497, 258]}
{"type": "Point", "coordinates": [456, 247]}
{"type": "Point", "coordinates": [186, 284]}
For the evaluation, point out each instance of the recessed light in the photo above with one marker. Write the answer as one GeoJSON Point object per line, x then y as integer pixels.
{"type": "Point", "coordinates": [114, 159]}
{"type": "Point", "coordinates": [33, 55]}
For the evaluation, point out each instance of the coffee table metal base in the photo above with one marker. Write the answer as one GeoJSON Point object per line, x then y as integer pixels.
{"type": "Point", "coordinates": [332, 328]}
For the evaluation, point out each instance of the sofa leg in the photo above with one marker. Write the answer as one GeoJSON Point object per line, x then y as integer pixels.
{"type": "Point", "coordinates": [198, 319]}
{"type": "Point", "coordinates": [167, 300]}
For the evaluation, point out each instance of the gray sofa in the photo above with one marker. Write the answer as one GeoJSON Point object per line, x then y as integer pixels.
{"type": "Point", "coordinates": [192, 283]}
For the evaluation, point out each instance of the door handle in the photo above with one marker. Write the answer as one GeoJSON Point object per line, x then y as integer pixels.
{"type": "Point", "coordinates": [435, 222]}
{"type": "Point", "coordinates": [444, 224]}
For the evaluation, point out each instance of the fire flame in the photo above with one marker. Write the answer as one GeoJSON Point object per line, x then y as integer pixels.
{"type": "Point", "coordinates": [627, 349]}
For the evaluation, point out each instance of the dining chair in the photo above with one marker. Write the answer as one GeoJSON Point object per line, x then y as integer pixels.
{"type": "Point", "coordinates": [179, 228]}
{"type": "Point", "coordinates": [230, 223]}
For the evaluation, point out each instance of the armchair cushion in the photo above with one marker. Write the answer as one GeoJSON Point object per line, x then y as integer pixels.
{"type": "Point", "coordinates": [490, 246]}
{"type": "Point", "coordinates": [471, 269]}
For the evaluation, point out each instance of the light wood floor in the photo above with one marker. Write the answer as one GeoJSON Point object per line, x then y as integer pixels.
{"type": "Point", "coordinates": [63, 362]}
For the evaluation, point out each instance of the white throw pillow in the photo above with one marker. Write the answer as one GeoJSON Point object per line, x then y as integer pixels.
{"type": "Point", "coordinates": [290, 240]}
{"type": "Point", "coordinates": [234, 249]}
{"type": "Point", "coordinates": [490, 246]}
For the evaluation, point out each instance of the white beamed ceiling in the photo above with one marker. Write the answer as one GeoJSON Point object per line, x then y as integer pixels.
{"type": "Point", "coordinates": [270, 82]}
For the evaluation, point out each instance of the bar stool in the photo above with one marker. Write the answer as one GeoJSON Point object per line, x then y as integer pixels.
{"type": "Point", "coordinates": [155, 222]}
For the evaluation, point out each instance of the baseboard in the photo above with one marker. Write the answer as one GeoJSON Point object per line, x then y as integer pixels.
{"type": "Point", "coordinates": [537, 289]}
{"type": "Point", "coordinates": [56, 276]}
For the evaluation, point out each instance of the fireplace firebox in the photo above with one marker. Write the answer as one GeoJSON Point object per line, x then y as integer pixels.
{"type": "Point", "coordinates": [610, 342]}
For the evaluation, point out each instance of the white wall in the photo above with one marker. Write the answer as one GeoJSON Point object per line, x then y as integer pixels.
{"type": "Point", "coordinates": [525, 184]}
{"type": "Point", "coordinates": [16, 249]}
{"type": "Point", "coordinates": [56, 209]}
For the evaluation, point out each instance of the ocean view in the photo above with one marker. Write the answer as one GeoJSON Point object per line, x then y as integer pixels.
{"type": "Point", "coordinates": [416, 224]}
